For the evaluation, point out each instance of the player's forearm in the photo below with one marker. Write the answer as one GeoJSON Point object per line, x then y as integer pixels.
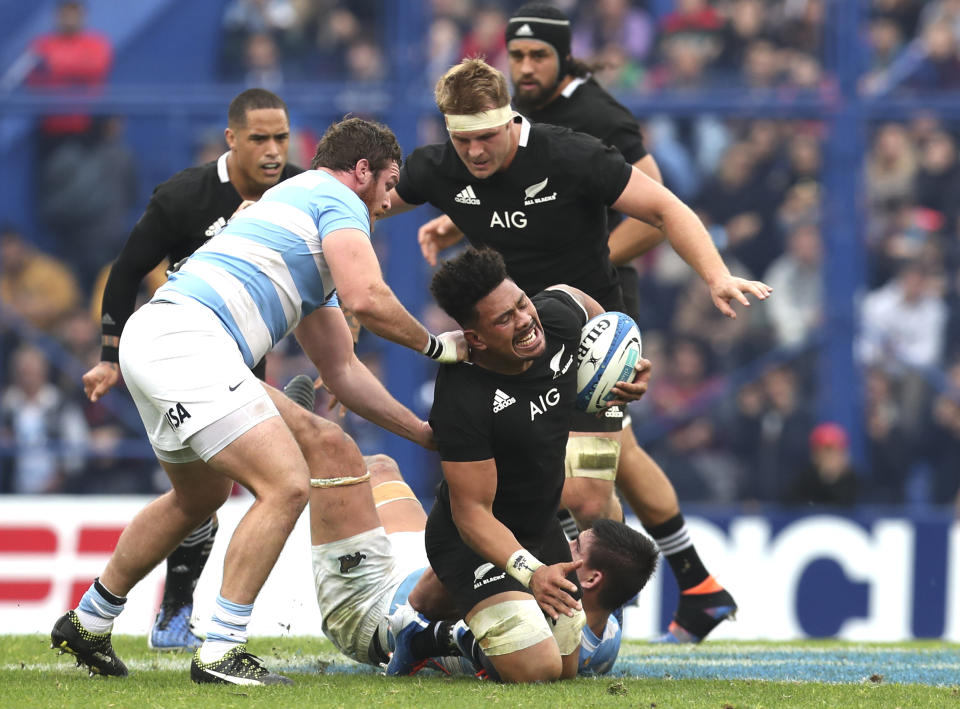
{"type": "Point", "coordinates": [360, 391]}
{"type": "Point", "coordinates": [690, 239]}
{"type": "Point", "coordinates": [632, 238]}
{"type": "Point", "coordinates": [484, 533]}
{"type": "Point", "coordinates": [378, 310]}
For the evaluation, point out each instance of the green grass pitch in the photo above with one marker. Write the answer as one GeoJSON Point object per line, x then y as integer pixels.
{"type": "Point", "coordinates": [711, 675]}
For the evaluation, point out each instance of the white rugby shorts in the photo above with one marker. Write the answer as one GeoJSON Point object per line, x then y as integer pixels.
{"type": "Point", "coordinates": [188, 379]}
{"type": "Point", "coordinates": [356, 579]}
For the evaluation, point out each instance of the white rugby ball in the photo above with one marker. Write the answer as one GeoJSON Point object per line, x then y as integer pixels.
{"type": "Point", "coordinates": [609, 348]}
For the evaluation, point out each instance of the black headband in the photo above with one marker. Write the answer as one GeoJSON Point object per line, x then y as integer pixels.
{"type": "Point", "coordinates": [555, 32]}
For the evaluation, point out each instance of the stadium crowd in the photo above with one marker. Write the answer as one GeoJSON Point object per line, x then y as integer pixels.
{"type": "Point", "coordinates": [725, 428]}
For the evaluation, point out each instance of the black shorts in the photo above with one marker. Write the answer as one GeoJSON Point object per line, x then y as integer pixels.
{"type": "Point", "coordinates": [610, 422]}
{"type": "Point", "coordinates": [469, 577]}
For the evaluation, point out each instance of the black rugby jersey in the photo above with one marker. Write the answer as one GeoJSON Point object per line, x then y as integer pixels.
{"type": "Point", "coordinates": [182, 214]}
{"type": "Point", "coordinates": [519, 420]}
{"type": "Point", "coordinates": [546, 213]}
{"type": "Point", "coordinates": [586, 107]}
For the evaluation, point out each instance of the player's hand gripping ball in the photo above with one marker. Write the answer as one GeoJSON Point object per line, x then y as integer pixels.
{"type": "Point", "coordinates": [609, 347]}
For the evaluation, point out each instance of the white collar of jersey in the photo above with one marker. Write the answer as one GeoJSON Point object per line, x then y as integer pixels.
{"type": "Point", "coordinates": [222, 168]}
{"type": "Point", "coordinates": [524, 131]}
{"type": "Point", "coordinates": [572, 86]}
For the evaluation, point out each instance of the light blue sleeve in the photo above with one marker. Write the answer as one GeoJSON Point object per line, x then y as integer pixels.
{"type": "Point", "coordinates": [598, 655]}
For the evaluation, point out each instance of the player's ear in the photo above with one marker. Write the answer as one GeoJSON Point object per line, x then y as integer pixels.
{"type": "Point", "coordinates": [362, 171]}
{"type": "Point", "coordinates": [474, 340]}
{"type": "Point", "coordinates": [230, 137]}
{"type": "Point", "coordinates": [591, 579]}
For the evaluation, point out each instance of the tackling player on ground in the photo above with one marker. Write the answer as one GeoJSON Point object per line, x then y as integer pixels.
{"type": "Point", "coordinates": [501, 424]}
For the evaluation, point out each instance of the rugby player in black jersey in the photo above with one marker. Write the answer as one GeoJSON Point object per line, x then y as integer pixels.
{"type": "Point", "coordinates": [501, 425]}
{"type": "Point", "coordinates": [551, 86]}
{"type": "Point", "coordinates": [183, 213]}
{"type": "Point", "coordinates": [539, 194]}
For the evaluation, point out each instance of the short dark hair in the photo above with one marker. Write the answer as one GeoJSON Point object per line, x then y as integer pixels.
{"type": "Point", "coordinates": [353, 139]}
{"type": "Point", "coordinates": [460, 283]}
{"type": "Point", "coordinates": [625, 557]}
{"type": "Point", "coordinates": [251, 100]}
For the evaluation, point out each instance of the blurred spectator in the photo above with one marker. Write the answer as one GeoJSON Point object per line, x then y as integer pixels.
{"type": "Point", "coordinates": [33, 285]}
{"type": "Point", "coordinates": [797, 277]}
{"type": "Point", "coordinates": [336, 29]}
{"type": "Point", "coordinates": [782, 447]}
{"type": "Point", "coordinates": [739, 209]}
{"type": "Point", "coordinates": [886, 40]}
{"type": "Point", "coordinates": [44, 433]}
{"type": "Point", "coordinates": [443, 47]}
{"type": "Point", "coordinates": [87, 195]}
{"type": "Point", "coordinates": [830, 478]}
{"type": "Point", "coordinates": [684, 59]}
{"type": "Point", "coordinates": [891, 168]}
{"type": "Point", "coordinates": [745, 23]}
{"type": "Point", "coordinates": [69, 58]}
{"type": "Point", "coordinates": [263, 68]}
{"type": "Point", "coordinates": [942, 441]}
{"type": "Point", "coordinates": [939, 67]}
{"type": "Point", "coordinates": [889, 448]}
{"type": "Point", "coordinates": [731, 341]}
{"type": "Point", "coordinates": [612, 23]}
{"type": "Point", "coordinates": [763, 65]}
{"type": "Point", "coordinates": [365, 62]}
{"type": "Point", "coordinates": [903, 322]}
{"type": "Point", "coordinates": [691, 455]}
{"type": "Point", "coordinates": [938, 179]}
{"type": "Point", "coordinates": [275, 20]}
{"type": "Point", "coordinates": [486, 37]}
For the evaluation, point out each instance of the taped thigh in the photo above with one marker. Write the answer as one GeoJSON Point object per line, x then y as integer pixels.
{"type": "Point", "coordinates": [592, 457]}
{"type": "Point", "coordinates": [509, 627]}
{"type": "Point", "coordinates": [566, 631]}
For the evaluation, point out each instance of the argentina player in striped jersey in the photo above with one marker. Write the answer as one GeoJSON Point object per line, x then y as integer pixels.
{"type": "Point", "coordinates": [280, 267]}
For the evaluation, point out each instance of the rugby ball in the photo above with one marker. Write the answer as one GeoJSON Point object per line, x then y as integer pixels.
{"type": "Point", "coordinates": [609, 348]}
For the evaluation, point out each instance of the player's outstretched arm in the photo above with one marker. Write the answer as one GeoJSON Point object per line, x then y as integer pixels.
{"type": "Point", "coordinates": [632, 237]}
{"type": "Point", "coordinates": [473, 487]}
{"type": "Point", "coordinates": [644, 199]}
{"type": "Point", "coordinates": [362, 290]}
{"type": "Point", "coordinates": [326, 339]}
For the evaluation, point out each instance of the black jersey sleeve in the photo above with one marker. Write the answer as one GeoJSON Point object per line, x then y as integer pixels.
{"type": "Point", "coordinates": [608, 174]}
{"type": "Point", "coordinates": [150, 240]}
{"type": "Point", "coordinates": [627, 139]}
{"type": "Point", "coordinates": [560, 312]}
{"type": "Point", "coordinates": [413, 174]}
{"type": "Point", "coordinates": [461, 416]}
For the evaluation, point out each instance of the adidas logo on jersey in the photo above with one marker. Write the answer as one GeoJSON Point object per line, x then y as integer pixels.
{"type": "Point", "coordinates": [466, 196]}
{"type": "Point", "coordinates": [215, 228]}
{"type": "Point", "coordinates": [502, 400]}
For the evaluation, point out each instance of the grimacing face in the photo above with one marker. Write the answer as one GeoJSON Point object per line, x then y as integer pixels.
{"type": "Point", "coordinates": [508, 326]}
{"type": "Point", "coordinates": [534, 71]}
{"type": "Point", "coordinates": [260, 148]}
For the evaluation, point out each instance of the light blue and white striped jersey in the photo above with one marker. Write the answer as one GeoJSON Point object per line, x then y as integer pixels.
{"type": "Point", "coordinates": [598, 655]}
{"type": "Point", "coordinates": [265, 271]}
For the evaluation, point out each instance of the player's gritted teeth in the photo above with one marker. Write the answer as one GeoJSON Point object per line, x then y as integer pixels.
{"type": "Point", "coordinates": [271, 168]}
{"type": "Point", "coordinates": [528, 342]}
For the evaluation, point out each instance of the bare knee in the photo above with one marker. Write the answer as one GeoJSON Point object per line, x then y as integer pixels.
{"type": "Point", "coordinates": [382, 468]}
{"type": "Point", "coordinates": [587, 503]}
{"type": "Point", "coordinates": [548, 669]}
{"type": "Point", "coordinates": [328, 450]}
